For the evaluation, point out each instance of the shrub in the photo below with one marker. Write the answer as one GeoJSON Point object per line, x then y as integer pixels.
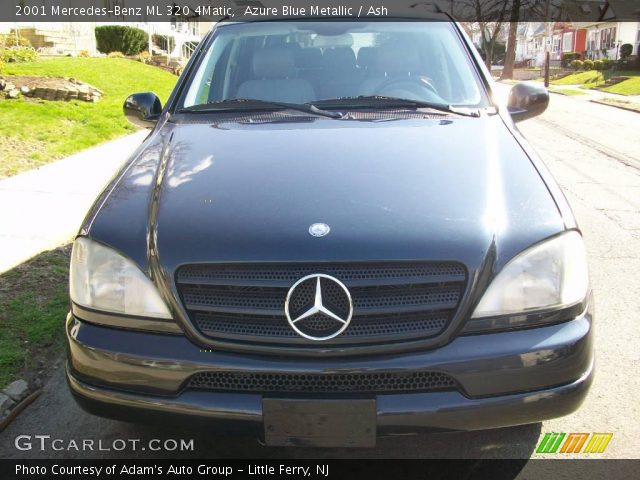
{"type": "Point", "coordinates": [598, 64]}
{"type": "Point", "coordinates": [576, 64]}
{"type": "Point", "coordinates": [115, 55]}
{"type": "Point", "coordinates": [626, 50]}
{"type": "Point", "coordinates": [117, 38]}
{"type": "Point", "coordinates": [84, 53]}
{"type": "Point", "coordinates": [587, 65]}
{"type": "Point", "coordinates": [10, 40]}
{"type": "Point", "coordinates": [569, 57]}
{"type": "Point", "coordinates": [18, 54]}
{"type": "Point", "coordinates": [144, 56]}
{"type": "Point", "coordinates": [607, 63]}
{"type": "Point", "coordinates": [628, 64]}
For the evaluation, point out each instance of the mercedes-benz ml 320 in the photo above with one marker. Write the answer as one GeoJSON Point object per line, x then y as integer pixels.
{"type": "Point", "coordinates": [333, 231]}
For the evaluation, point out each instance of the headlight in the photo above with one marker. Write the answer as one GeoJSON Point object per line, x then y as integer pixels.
{"type": "Point", "coordinates": [102, 279]}
{"type": "Point", "coordinates": [550, 275]}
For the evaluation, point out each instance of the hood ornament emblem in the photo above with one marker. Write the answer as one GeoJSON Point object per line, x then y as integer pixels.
{"type": "Point", "coordinates": [318, 307]}
{"type": "Point", "coordinates": [319, 229]}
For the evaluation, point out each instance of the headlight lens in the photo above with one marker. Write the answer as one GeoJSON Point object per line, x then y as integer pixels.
{"type": "Point", "coordinates": [550, 275]}
{"type": "Point", "coordinates": [102, 279]}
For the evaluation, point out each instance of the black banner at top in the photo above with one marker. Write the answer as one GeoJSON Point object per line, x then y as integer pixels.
{"type": "Point", "coordinates": [585, 11]}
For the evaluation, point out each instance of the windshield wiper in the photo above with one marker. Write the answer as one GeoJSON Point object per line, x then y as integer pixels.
{"type": "Point", "coordinates": [242, 104]}
{"type": "Point", "coordinates": [379, 100]}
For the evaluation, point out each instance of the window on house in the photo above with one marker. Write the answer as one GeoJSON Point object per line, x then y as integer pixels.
{"type": "Point", "coordinates": [567, 42]}
{"type": "Point", "coordinates": [608, 38]}
{"type": "Point", "coordinates": [556, 44]}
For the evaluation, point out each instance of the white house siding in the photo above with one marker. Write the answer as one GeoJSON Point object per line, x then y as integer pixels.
{"type": "Point", "coordinates": [56, 38]}
{"type": "Point", "coordinates": [625, 32]}
{"type": "Point", "coordinates": [628, 33]}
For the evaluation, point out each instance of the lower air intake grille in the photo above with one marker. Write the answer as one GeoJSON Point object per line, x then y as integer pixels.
{"type": "Point", "coordinates": [385, 382]}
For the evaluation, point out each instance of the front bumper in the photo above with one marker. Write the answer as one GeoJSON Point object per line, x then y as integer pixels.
{"type": "Point", "coordinates": [505, 379]}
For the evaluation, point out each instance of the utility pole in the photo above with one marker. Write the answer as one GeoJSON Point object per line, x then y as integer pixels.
{"type": "Point", "coordinates": [547, 42]}
{"type": "Point", "coordinates": [546, 68]}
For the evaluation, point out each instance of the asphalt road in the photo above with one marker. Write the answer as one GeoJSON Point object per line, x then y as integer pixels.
{"type": "Point", "coordinates": [594, 153]}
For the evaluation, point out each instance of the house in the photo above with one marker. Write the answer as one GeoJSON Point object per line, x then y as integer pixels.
{"type": "Point", "coordinates": [70, 38]}
{"type": "Point", "coordinates": [606, 35]}
{"type": "Point", "coordinates": [567, 38]}
{"type": "Point", "coordinates": [604, 39]}
{"type": "Point", "coordinates": [55, 38]}
{"type": "Point", "coordinates": [590, 27]}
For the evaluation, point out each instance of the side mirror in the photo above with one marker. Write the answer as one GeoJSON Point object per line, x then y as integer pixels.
{"type": "Point", "coordinates": [527, 100]}
{"type": "Point", "coordinates": [143, 109]}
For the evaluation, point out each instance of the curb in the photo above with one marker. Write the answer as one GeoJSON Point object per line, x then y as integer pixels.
{"type": "Point", "coordinates": [15, 411]}
{"type": "Point", "coordinates": [621, 107]}
{"type": "Point", "coordinates": [559, 93]}
{"type": "Point", "coordinates": [582, 95]}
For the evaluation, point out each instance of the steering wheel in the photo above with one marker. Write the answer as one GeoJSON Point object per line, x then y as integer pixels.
{"type": "Point", "coordinates": [413, 88]}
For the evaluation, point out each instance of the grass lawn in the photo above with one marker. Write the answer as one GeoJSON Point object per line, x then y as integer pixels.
{"type": "Point", "coordinates": [581, 78]}
{"type": "Point", "coordinates": [33, 304]}
{"type": "Point", "coordinates": [594, 78]}
{"type": "Point", "coordinates": [631, 86]}
{"type": "Point", "coordinates": [34, 132]}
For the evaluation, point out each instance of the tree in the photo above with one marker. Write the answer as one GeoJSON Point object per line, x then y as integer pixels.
{"type": "Point", "coordinates": [490, 15]}
{"type": "Point", "coordinates": [510, 56]}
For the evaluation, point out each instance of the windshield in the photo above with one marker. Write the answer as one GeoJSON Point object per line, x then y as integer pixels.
{"type": "Point", "coordinates": [312, 62]}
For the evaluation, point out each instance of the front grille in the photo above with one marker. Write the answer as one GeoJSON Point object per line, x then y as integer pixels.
{"type": "Point", "coordinates": [307, 383]}
{"type": "Point", "coordinates": [396, 301]}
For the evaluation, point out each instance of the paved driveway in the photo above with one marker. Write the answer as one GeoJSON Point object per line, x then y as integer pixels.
{"type": "Point", "coordinates": [43, 208]}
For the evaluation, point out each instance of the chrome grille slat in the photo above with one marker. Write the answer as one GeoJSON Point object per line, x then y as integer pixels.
{"type": "Point", "coordinates": [353, 283]}
{"type": "Point", "coordinates": [289, 273]}
{"type": "Point", "coordinates": [394, 301]}
{"type": "Point", "coordinates": [272, 328]}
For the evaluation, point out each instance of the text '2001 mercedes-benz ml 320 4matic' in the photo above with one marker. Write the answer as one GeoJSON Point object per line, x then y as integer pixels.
{"type": "Point", "coordinates": [332, 232]}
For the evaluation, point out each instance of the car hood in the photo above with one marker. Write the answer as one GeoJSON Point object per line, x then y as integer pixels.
{"type": "Point", "coordinates": [434, 189]}
{"type": "Point", "coordinates": [444, 189]}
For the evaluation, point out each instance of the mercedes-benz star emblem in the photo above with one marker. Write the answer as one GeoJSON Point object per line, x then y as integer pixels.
{"type": "Point", "coordinates": [318, 307]}
{"type": "Point", "coordinates": [319, 229]}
